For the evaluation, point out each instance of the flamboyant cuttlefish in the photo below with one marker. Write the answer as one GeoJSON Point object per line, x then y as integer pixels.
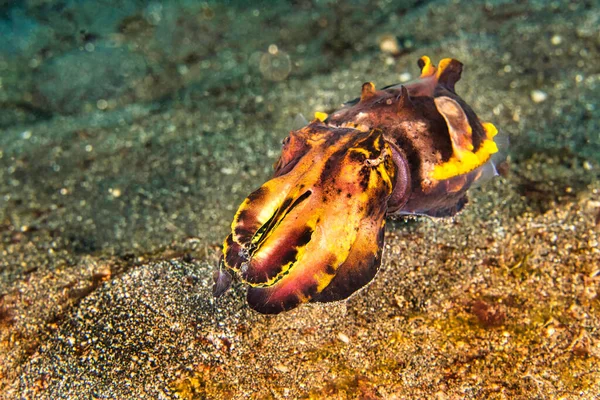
{"type": "Point", "coordinates": [314, 232]}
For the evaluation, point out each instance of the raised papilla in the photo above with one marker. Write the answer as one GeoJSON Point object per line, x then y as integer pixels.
{"type": "Point", "coordinates": [315, 231]}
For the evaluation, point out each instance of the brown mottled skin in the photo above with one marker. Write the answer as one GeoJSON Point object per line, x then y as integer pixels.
{"type": "Point", "coordinates": [315, 231]}
{"type": "Point", "coordinates": [411, 122]}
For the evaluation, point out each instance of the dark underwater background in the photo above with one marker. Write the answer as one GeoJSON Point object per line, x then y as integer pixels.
{"type": "Point", "coordinates": [130, 131]}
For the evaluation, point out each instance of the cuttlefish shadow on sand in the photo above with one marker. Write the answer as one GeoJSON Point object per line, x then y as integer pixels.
{"type": "Point", "coordinates": [314, 232]}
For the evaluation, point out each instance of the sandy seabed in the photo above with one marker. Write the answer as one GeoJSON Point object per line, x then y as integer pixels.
{"type": "Point", "coordinates": [126, 147]}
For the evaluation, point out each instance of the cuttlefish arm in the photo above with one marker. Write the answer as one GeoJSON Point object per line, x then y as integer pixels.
{"type": "Point", "coordinates": [315, 233]}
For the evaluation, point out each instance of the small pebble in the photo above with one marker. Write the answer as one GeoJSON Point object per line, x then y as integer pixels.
{"type": "Point", "coordinates": [405, 77]}
{"type": "Point", "coordinates": [343, 338]}
{"type": "Point", "coordinates": [538, 96]}
{"type": "Point", "coordinates": [389, 44]}
{"type": "Point", "coordinates": [282, 368]}
{"type": "Point", "coordinates": [102, 104]}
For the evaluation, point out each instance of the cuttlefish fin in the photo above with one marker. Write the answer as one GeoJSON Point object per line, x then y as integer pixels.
{"type": "Point", "coordinates": [299, 122]}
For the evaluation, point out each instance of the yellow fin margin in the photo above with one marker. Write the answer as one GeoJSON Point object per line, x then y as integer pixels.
{"type": "Point", "coordinates": [468, 162]}
{"type": "Point", "coordinates": [490, 129]}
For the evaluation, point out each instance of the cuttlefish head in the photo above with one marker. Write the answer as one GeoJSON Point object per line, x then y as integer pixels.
{"type": "Point", "coordinates": [314, 232]}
